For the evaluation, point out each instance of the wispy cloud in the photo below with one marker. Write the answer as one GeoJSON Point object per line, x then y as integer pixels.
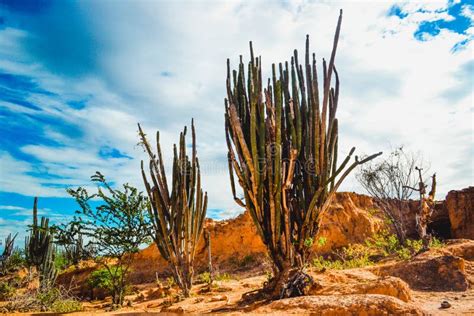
{"type": "Point", "coordinates": [71, 97]}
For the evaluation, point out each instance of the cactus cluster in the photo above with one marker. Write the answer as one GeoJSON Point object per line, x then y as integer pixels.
{"type": "Point", "coordinates": [282, 144]}
{"type": "Point", "coordinates": [177, 215]}
{"type": "Point", "coordinates": [39, 249]}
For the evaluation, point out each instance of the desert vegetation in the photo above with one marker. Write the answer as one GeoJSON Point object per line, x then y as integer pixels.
{"type": "Point", "coordinates": [283, 147]}
{"type": "Point", "coordinates": [177, 217]}
{"type": "Point", "coordinates": [306, 238]}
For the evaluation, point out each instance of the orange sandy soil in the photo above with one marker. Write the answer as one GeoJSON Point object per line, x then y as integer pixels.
{"type": "Point", "coordinates": [226, 297]}
{"type": "Point", "coordinates": [413, 287]}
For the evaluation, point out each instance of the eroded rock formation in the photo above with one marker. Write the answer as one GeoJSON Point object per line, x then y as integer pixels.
{"type": "Point", "coordinates": [460, 207]}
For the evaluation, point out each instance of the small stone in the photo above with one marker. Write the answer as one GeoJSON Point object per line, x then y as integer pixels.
{"type": "Point", "coordinates": [153, 305]}
{"type": "Point", "coordinates": [463, 295]}
{"type": "Point", "coordinates": [173, 309]}
{"type": "Point", "coordinates": [218, 298]}
{"type": "Point", "coordinates": [445, 304]}
{"type": "Point", "coordinates": [456, 298]}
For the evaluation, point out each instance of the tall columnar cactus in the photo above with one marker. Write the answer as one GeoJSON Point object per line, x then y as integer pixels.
{"type": "Point", "coordinates": [177, 215]}
{"type": "Point", "coordinates": [39, 248]}
{"type": "Point", "coordinates": [283, 145]}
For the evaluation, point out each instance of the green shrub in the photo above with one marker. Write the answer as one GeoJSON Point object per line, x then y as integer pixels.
{"type": "Point", "coordinates": [436, 243]}
{"type": "Point", "coordinates": [60, 261]}
{"type": "Point", "coordinates": [204, 277]}
{"type": "Point", "coordinates": [6, 291]}
{"type": "Point", "coordinates": [384, 243]}
{"type": "Point", "coordinates": [387, 244]}
{"type": "Point", "coordinates": [171, 282]}
{"type": "Point", "coordinates": [322, 241]}
{"type": "Point", "coordinates": [102, 279]}
{"type": "Point", "coordinates": [352, 256]}
{"type": "Point", "coordinates": [56, 300]}
{"type": "Point", "coordinates": [223, 277]}
{"type": "Point", "coordinates": [66, 306]}
{"type": "Point", "coordinates": [14, 262]}
{"type": "Point", "coordinates": [48, 297]}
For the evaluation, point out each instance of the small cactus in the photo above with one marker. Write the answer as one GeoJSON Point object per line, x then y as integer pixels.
{"type": "Point", "coordinates": [39, 249]}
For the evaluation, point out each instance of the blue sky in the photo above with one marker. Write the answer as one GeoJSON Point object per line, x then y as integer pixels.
{"type": "Point", "coordinates": [76, 77]}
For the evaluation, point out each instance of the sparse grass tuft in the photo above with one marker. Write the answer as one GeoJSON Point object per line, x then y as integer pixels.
{"type": "Point", "coordinates": [6, 291]}
{"type": "Point", "coordinates": [223, 277]}
{"type": "Point", "coordinates": [379, 246]}
{"type": "Point", "coordinates": [204, 277]}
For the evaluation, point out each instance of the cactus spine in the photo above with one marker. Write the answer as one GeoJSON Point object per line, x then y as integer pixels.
{"type": "Point", "coordinates": [39, 249]}
{"type": "Point", "coordinates": [177, 216]}
{"type": "Point", "coordinates": [282, 145]}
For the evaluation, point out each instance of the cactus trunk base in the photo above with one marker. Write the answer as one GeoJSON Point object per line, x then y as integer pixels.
{"type": "Point", "coordinates": [290, 282]}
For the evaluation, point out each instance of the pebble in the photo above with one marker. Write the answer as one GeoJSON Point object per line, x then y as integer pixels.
{"type": "Point", "coordinates": [445, 304]}
{"type": "Point", "coordinates": [218, 298]}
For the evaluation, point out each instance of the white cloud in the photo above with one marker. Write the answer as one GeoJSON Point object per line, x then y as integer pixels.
{"type": "Point", "coordinates": [391, 91]}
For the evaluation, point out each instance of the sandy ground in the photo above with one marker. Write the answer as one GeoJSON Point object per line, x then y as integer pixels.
{"type": "Point", "coordinates": [225, 298]}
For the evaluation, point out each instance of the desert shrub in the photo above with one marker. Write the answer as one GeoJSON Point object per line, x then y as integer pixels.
{"type": "Point", "coordinates": [61, 261]}
{"type": "Point", "coordinates": [436, 243]}
{"type": "Point", "coordinates": [386, 244]}
{"type": "Point", "coordinates": [47, 298]}
{"type": "Point", "coordinates": [6, 291]}
{"type": "Point", "coordinates": [204, 277]}
{"type": "Point", "coordinates": [66, 306]}
{"type": "Point", "coordinates": [171, 282]}
{"type": "Point", "coordinates": [223, 277]}
{"type": "Point", "coordinates": [379, 246]}
{"type": "Point", "coordinates": [352, 256]}
{"type": "Point", "coordinates": [115, 229]}
{"type": "Point", "coordinates": [57, 300]}
{"type": "Point", "coordinates": [102, 279]}
{"type": "Point", "coordinates": [14, 262]}
{"type": "Point", "coordinates": [390, 182]}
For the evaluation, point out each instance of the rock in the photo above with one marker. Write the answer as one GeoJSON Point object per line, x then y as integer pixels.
{"type": "Point", "coordinates": [354, 304]}
{"type": "Point", "coordinates": [173, 310]}
{"type": "Point", "coordinates": [153, 305]}
{"type": "Point", "coordinates": [218, 298]}
{"type": "Point", "coordinates": [359, 282]}
{"type": "Point", "coordinates": [159, 292]}
{"type": "Point", "coordinates": [350, 219]}
{"type": "Point", "coordinates": [442, 273]}
{"type": "Point", "coordinates": [445, 304]}
{"type": "Point", "coordinates": [460, 205]}
{"type": "Point", "coordinates": [463, 248]}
